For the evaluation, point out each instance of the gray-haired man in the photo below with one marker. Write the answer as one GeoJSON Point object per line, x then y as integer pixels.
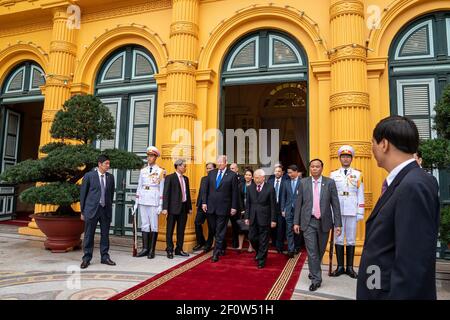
{"type": "Point", "coordinates": [176, 205]}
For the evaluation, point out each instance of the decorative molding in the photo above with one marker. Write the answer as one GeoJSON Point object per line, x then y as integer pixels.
{"type": "Point", "coordinates": [363, 149]}
{"type": "Point", "coordinates": [63, 46]}
{"type": "Point", "coordinates": [174, 67]}
{"type": "Point", "coordinates": [347, 99]}
{"type": "Point", "coordinates": [352, 7]}
{"type": "Point", "coordinates": [167, 151]}
{"type": "Point", "coordinates": [348, 52]}
{"type": "Point", "coordinates": [184, 27]}
{"type": "Point", "coordinates": [321, 69]}
{"type": "Point", "coordinates": [180, 109]}
{"type": "Point", "coordinates": [80, 88]}
{"type": "Point", "coordinates": [205, 77]}
{"type": "Point", "coordinates": [28, 28]}
{"type": "Point", "coordinates": [48, 115]}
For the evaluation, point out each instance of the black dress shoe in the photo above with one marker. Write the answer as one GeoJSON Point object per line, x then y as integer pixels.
{"type": "Point", "coordinates": [170, 255]}
{"type": "Point", "coordinates": [309, 276]}
{"type": "Point", "coordinates": [221, 253]}
{"type": "Point", "coordinates": [109, 262]}
{"type": "Point", "coordinates": [85, 264]}
{"type": "Point", "coordinates": [215, 258]}
{"type": "Point", "coordinates": [314, 286]}
{"type": "Point", "coordinates": [279, 251]}
{"type": "Point", "coordinates": [206, 249]}
{"type": "Point", "coordinates": [290, 255]}
{"type": "Point", "coordinates": [181, 253]}
{"type": "Point", "coordinates": [197, 247]}
{"type": "Point", "coordinates": [297, 251]}
{"type": "Point", "coordinates": [261, 264]}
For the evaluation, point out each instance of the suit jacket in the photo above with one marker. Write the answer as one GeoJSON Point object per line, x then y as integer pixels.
{"type": "Point", "coordinates": [226, 197]}
{"type": "Point", "coordinates": [328, 201]}
{"type": "Point", "coordinates": [172, 197]}
{"type": "Point", "coordinates": [91, 191]}
{"type": "Point", "coordinates": [271, 181]}
{"type": "Point", "coordinates": [261, 206]}
{"type": "Point", "coordinates": [242, 195]}
{"type": "Point", "coordinates": [288, 199]}
{"type": "Point", "coordinates": [401, 238]}
{"type": "Point", "coordinates": [201, 191]}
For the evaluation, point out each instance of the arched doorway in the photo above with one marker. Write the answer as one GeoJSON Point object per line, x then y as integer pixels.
{"type": "Point", "coordinates": [419, 70]}
{"type": "Point", "coordinates": [264, 86]}
{"type": "Point", "coordinates": [126, 85]}
{"type": "Point", "coordinates": [21, 105]}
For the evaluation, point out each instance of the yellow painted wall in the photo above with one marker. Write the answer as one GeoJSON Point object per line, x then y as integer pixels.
{"type": "Point", "coordinates": [26, 33]}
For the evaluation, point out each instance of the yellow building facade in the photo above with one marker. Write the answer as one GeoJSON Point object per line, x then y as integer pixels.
{"type": "Point", "coordinates": [165, 65]}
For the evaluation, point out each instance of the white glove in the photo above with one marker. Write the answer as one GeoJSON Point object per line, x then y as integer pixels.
{"type": "Point", "coordinates": [359, 217]}
{"type": "Point", "coordinates": [159, 209]}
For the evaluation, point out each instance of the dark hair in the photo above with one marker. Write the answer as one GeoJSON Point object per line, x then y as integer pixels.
{"type": "Point", "coordinates": [211, 163]}
{"type": "Point", "coordinates": [102, 158]}
{"type": "Point", "coordinates": [321, 162]}
{"type": "Point", "coordinates": [293, 167]}
{"type": "Point", "coordinates": [419, 153]}
{"type": "Point", "coordinates": [249, 170]}
{"type": "Point", "coordinates": [400, 131]}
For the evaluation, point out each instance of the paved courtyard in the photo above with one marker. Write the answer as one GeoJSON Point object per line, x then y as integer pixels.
{"type": "Point", "coordinates": [27, 271]}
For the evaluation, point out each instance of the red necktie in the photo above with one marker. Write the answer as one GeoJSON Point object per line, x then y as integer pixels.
{"type": "Point", "coordinates": [183, 192]}
{"type": "Point", "coordinates": [259, 188]}
{"type": "Point", "coordinates": [384, 187]}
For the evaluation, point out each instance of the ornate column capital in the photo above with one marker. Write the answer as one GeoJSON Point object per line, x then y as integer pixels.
{"type": "Point", "coordinates": [343, 7]}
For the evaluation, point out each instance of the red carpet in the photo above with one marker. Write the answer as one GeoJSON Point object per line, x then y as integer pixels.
{"type": "Point", "coordinates": [19, 223]}
{"type": "Point", "coordinates": [234, 277]}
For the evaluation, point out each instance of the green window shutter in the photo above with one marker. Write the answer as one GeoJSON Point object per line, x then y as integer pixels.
{"type": "Point", "coordinates": [416, 99]}
{"type": "Point", "coordinates": [115, 70]}
{"type": "Point", "coordinates": [17, 81]}
{"type": "Point", "coordinates": [37, 78]}
{"type": "Point", "coordinates": [245, 56]}
{"type": "Point", "coordinates": [142, 66]}
{"type": "Point", "coordinates": [114, 107]}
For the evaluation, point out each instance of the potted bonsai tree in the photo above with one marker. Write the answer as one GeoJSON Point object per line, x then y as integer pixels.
{"type": "Point", "coordinates": [436, 155]}
{"type": "Point", "coordinates": [58, 173]}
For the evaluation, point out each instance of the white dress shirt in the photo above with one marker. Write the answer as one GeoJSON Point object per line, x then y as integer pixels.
{"type": "Point", "coordinates": [396, 171]}
{"type": "Point", "coordinates": [183, 196]}
{"type": "Point", "coordinates": [319, 185]}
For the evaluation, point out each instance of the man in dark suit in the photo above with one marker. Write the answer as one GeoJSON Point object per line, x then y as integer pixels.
{"type": "Point", "coordinates": [234, 225]}
{"type": "Point", "coordinates": [260, 215]}
{"type": "Point", "coordinates": [288, 201]}
{"type": "Point", "coordinates": [220, 200]}
{"type": "Point", "coordinates": [317, 202]}
{"type": "Point", "coordinates": [96, 197]}
{"type": "Point", "coordinates": [278, 234]}
{"type": "Point", "coordinates": [200, 218]}
{"type": "Point", "coordinates": [399, 256]}
{"type": "Point", "coordinates": [176, 205]}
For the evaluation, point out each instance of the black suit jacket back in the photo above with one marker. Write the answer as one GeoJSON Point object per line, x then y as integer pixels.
{"type": "Point", "coordinates": [281, 191]}
{"type": "Point", "coordinates": [401, 238]}
{"type": "Point", "coordinates": [91, 191]}
{"type": "Point", "coordinates": [172, 197]}
{"type": "Point", "coordinates": [261, 206]}
{"type": "Point", "coordinates": [201, 191]}
{"type": "Point", "coordinates": [226, 197]}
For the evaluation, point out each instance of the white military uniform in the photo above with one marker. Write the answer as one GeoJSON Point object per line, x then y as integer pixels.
{"type": "Point", "coordinates": [350, 189]}
{"type": "Point", "coordinates": [150, 191]}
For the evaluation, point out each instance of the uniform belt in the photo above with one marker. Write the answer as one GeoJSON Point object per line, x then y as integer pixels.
{"type": "Point", "coordinates": [346, 193]}
{"type": "Point", "coordinates": [149, 187]}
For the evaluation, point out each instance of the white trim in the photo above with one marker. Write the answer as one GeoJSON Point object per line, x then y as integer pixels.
{"type": "Point", "coordinates": [105, 70]}
{"type": "Point", "coordinates": [12, 77]}
{"type": "Point", "coordinates": [285, 41]}
{"type": "Point", "coordinates": [24, 99]}
{"type": "Point", "coordinates": [133, 100]}
{"type": "Point", "coordinates": [133, 67]}
{"type": "Point", "coordinates": [5, 134]}
{"type": "Point", "coordinates": [118, 114]}
{"type": "Point", "coordinates": [298, 76]}
{"type": "Point", "coordinates": [443, 67]}
{"type": "Point", "coordinates": [447, 29]}
{"type": "Point", "coordinates": [406, 36]}
{"type": "Point", "coordinates": [431, 85]}
{"type": "Point", "coordinates": [128, 89]}
{"type": "Point", "coordinates": [238, 49]}
{"type": "Point", "coordinates": [31, 77]}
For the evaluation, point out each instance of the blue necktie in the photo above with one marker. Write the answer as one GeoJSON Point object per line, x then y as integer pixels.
{"type": "Point", "coordinates": [277, 188]}
{"type": "Point", "coordinates": [293, 186]}
{"type": "Point", "coordinates": [219, 178]}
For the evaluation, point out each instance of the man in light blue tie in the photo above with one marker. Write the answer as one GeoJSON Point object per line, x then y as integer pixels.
{"type": "Point", "coordinates": [288, 199]}
{"type": "Point", "coordinates": [220, 201]}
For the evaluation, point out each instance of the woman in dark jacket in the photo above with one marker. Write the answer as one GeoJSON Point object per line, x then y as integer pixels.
{"type": "Point", "coordinates": [243, 187]}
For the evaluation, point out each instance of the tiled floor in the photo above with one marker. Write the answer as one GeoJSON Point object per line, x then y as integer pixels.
{"type": "Point", "coordinates": [27, 271]}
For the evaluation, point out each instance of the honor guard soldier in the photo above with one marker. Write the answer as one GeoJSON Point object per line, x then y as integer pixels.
{"type": "Point", "coordinates": [349, 183]}
{"type": "Point", "coordinates": [149, 195]}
